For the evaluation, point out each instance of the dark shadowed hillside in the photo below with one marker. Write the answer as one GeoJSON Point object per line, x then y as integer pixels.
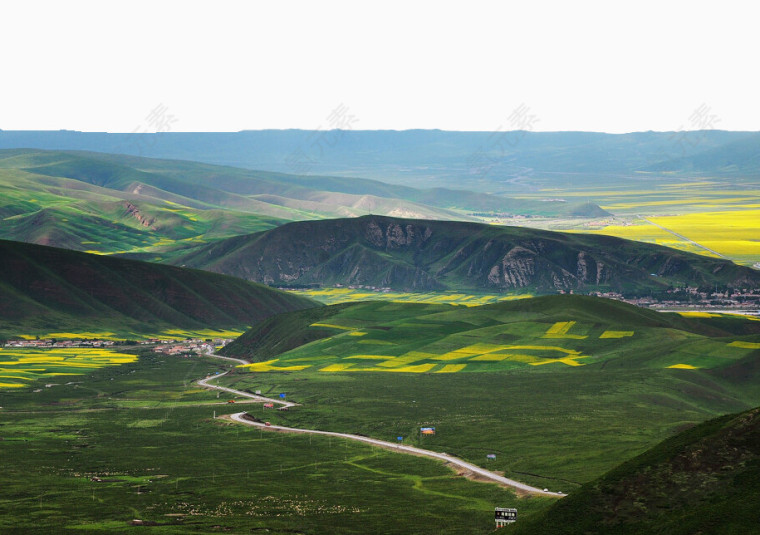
{"type": "Point", "coordinates": [49, 288]}
{"type": "Point", "coordinates": [435, 255]}
{"type": "Point", "coordinates": [703, 481]}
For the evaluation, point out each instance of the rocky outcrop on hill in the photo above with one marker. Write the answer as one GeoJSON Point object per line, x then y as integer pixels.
{"type": "Point", "coordinates": [419, 255]}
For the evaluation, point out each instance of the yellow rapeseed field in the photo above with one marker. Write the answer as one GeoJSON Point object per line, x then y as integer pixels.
{"type": "Point", "coordinates": [331, 326]}
{"type": "Point", "coordinates": [267, 366]}
{"type": "Point", "coordinates": [336, 367]}
{"type": "Point", "coordinates": [23, 365]}
{"type": "Point", "coordinates": [745, 345]}
{"type": "Point", "coordinates": [616, 334]}
{"type": "Point", "coordinates": [345, 295]}
{"type": "Point", "coordinates": [560, 330]}
{"type": "Point", "coordinates": [698, 314]}
{"type": "Point", "coordinates": [451, 368]}
{"type": "Point", "coordinates": [733, 233]}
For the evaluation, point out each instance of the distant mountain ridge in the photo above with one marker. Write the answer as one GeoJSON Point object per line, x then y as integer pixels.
{"type": "Point", "coordinates": [473, 160]}
{"type": "Point", "coordinates": [446, 255]}
{"type": "Point", "coordinates": [54, 289]}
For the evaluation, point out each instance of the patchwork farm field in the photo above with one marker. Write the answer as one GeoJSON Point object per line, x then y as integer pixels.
{"type": "Point", "coordinates": [390, 337]}
{"type": "Point", "coordinates": [332, 296]}
{"type": "Point", "coordinates": [19, 367]}
{"type": "Point", "coordinates": [560, 389]}
{"type": "Point", "coordinates": [706, 216]}
{"type": "Point", "coordinates": [139, 441]}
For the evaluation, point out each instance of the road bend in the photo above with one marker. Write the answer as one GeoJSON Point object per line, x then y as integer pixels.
{"type": "Point", "coordinates": [392, 446]}
{"type": "Point", "coordinates": [205, 383]}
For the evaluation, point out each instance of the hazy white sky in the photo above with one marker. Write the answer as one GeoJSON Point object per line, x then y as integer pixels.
{"type": "Point", "coordinates": [227, 66]}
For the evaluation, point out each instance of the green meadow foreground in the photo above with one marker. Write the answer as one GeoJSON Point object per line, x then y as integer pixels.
{"type": "Point", "coordinates": [139, 441]}
{"type": "Point", "coordinates": [560, 389]}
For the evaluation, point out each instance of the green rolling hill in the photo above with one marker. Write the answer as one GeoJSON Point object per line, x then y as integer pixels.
{"type": "Point", "coordinates": [561, 388]}
{"type": "Point", "coordinates": [704, 480]}
{"type": "Point", "coordinates": [46, 289]}
{"type": "Point", "coordinates": [152, 208]}
{"type": "Point", "coordinates": [438, 255]}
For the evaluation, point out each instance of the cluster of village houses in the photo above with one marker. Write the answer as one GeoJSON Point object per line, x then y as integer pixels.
{"type": "Point", "coordinates": [744, 299]}
{"type": "Point", "coordinates": [167, 347]}
{"type": "Point", "coordinates": [52, 342]}
{"type": "Point", "coordinates": [186, 347]}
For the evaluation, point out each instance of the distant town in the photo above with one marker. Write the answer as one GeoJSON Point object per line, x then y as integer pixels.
{"type": "Point", "coordinates": [746, 301]}
{"type": "Point", "coordinates": [166, 347]}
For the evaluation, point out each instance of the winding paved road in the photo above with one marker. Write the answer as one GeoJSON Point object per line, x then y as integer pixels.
{"type": "Point", "coordinates": [401, 448]}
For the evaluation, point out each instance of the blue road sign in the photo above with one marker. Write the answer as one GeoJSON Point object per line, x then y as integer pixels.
{"type": "Point", "coordinates": [399, 438]}
{"type": "Point", "coordinates": [282, 395]}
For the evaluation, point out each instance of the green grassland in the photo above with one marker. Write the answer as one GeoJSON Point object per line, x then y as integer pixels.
{"type": "Point", "coordinates": [704, 480]}
{"type": "Point", "coordinates": [561, 388]}
{"type": "Point", "coordinates": [138, 441]}
{"type": "Point", "coordinates": [153, 208]}
{"type": "Point", "coordinates": [121, 204]}
{"type": "Point", "coordinates": [75, 215]}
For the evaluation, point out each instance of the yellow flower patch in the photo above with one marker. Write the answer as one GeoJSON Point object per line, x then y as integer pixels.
{"type": "Point", "coordinates": [200, 333]}
{"type": "Point", "coordinates": [267, 366]}
{"type": "Point", "coordinates": [570, 361]}
{"type": "Point", "coordinates": [695, 314]}
{"type": "Point", "coordinates": [331, 326]}
{"type": "Point", "coordinates": [468, 351]}
{"type": "Point", "coordinates": [616, 334]}
{"type": "Point", "coordinates": [82, 335]}
{"type": "Point", "coordinates": [454, 355]}
{"type": "Point", "coordinates": [683, 367]}
{"type": "Point", "coordinates": [560, 330]}
{"type": "Point", "coordinates": [357, 333]}
{"type": "Point", "coordinates": [490, 357]}
{"type": "Point", "coordinates": [406, 358]}
{"type": "Point", "coordinates": [546, 348]}
{"type": "Point", "coordinates": [28, 364]}
{"type": "Point", "coordinates": [452, 368]}
{"type": "Point", "coordinates": [419, 368]}
{"type": "Point", "coordinates": [336, 367]}
{"type": "Point", "coordinates": [745, 345]}
{"type": "Point", "coordinates": [514, 357]}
